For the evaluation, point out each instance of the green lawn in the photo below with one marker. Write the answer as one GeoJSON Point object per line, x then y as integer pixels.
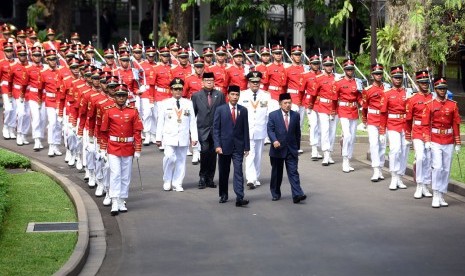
{"type": "Point", "coordinates": [34, 197]}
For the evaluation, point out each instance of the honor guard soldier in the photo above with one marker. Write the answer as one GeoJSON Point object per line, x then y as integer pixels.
{"type": "Point", "coordinates": [207, 54]}
{"type": "Point", "coordinates": [442, 115]}
{"type": "Point", "coordinates": [51, 83]}
{"type": "Point", "coordinates": [183, 68]}
{"type": "Point", "coordinates": [20, 78]}
{"type": "Point", "coordinates": [219, 69]}
{"type": "Point", "coordinates": [126, 75]}
{"type": "Point", "coordinates": [75, 38]}
{"type": "Point", "coordinates": [121, 132]}
{"type": "Point", "coordinates": [36, 98]}
{"type": "Point", "coordinates": [174, 48]}
{"type": "Point", "coordinates": [176, 124]}
{"type": "Point", "coordinates": [265, 58]}
{"type": "Point", "coordinates": [324, 102]}
{"type": "Point", "coordinates": [193, 82]}
{"type": "Point", "coordinates": [349, 98]}
{"type": "Point", "coordinates": [309, 79]}
{"type": "Point", "coordinates": [137, 52]}
{"type": "Point", "coordinates": [276, 76]}
{"type": "Point", "coordinates": [256, 101]}
{"type": "Point", "coordinates": [148, 97]}
{"type": "Point", "coordinates": [235, 73]}
{"type": "Point", "coordinates": [110, 65]}
{"type": "Point", "coordinates": [205, 103]}
{"type": "Point", "coordinates": [373, 99]}
{"type": "Point", "coordinates": [9, 111]}
{"type": "Point", "coordinates": [393, 120]}
{"type": "Point", "coordinates": [417, 130]}
{"type": "Point", "coordinates": [294, 82]}
{"type": "Point", "coordinates": [51, 43]}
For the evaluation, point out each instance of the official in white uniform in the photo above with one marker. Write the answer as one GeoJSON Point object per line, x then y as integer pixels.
{"type": "Point", "coordinates": [176, 119]}
{"type": "Point", "coordinates": [257, 103]}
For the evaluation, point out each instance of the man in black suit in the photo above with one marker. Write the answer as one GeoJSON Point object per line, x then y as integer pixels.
{"type": "Point", "coordinates": [231, 138]}
{"type": "Point", "coordinates": [205, 103]}
{"type": "Point", "coordinates": [284, 132]}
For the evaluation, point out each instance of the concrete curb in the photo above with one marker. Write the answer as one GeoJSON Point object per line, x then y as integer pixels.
{"type": "Point", "coordinates": [78, 258]}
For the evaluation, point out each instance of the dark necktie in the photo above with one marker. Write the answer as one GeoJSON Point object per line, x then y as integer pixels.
{"type": "Point", "coordinates": [177, 104]}
{"type": "Point", "coordinates": [233, 114]}
{"type": "Point", "coordinates": [286, 120]}
{"type": "Point", "coordinates": [209, 98]}
{"type": "Point", "coordinates": [254, 97]}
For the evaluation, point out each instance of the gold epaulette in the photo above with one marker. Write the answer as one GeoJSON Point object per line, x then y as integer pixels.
{"type": "Point", "coordinates": [102, 101]}
{"type": "Point", "coordinates": [319, 76]}
{"type": "Point", "coordinates": [108, 107]}
{"type": "Point", "coordinates": [67, 77]}
{"type": "Point", "coordinates": [81, 85]}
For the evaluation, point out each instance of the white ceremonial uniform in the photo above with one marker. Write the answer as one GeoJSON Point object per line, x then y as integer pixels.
{"type": "Point", "coordinates": [258, 111]}
{"type": "Point", "coordinates": [173, 128]}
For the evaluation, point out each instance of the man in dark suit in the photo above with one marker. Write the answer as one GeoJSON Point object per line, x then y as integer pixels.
{"type": "Point", "coordinates": [205, 103]}
{"type": "Point", "coordinates": [231, 138]}
{"type": "Point", "coordinates": [284, 132]}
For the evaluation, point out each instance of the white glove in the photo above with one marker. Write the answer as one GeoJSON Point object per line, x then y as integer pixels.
{"type": "Point", "coordinates": [457, 149]}
{"type": "Point", "coordinates": [332, 117]}
{"type": "Point", "coordinates": [91, 140]}
{"type": "Point", "coordinates": [60, 119]}
{"type": "Point", "coordinates": [57, 111]}
{"type": "Point", "coordinates": [428, 145]}
{"type": "Point", "coordinates": [309, 111]}
{"type": "Point", "coordinates": [408, 142]}
{"type": "Point", "coordinates": [137, 154]}
{"type": "Point", "coordinates": [382, 139]}
{"type": "Point", "coordinates": [142, 89]}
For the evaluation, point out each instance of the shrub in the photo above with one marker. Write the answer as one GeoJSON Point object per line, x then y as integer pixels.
{"type": "Point", "coordinates": [3, 197]}
{"type": "Point", "coordinates": [11, 160]}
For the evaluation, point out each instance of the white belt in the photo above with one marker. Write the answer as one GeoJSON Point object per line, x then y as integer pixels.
{"type": "Point", "coordinates": [442, 131]}
{"type": "Point", "coordinates": [292, 91]}
{"type": "Point", "coordinates": [17, 86]}
{"type": "Point", "coordinates": [4, 83]}
{"type": "Point", "coordinates": [418, 123]}
{"type": "Point", "coordinates": [276, 88]}
{"type": "Point", "coordinates": [373, 111]}
{"type": "Point", "coordinates": [162, 90]}
{"type": "Point", "coordinates": [349, 104]}
{"type": "Point", "coordinates": [396, 116]}
{"type": "Point", "coordinates": [50, 95]}
{"type": "Point", "coordinates": [33, 89]}
{"type": "Point", "coordinates": [121, 139]}
{"type": "Point", "coordinates": [324, 100]}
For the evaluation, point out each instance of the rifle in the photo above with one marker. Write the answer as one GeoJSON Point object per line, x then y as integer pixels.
{"type": "Point", "coordinates": [287, 55]}
{"type": "Point", "coordinates": [143, 50]}
{"type": "Point", "coordinates": [227, 50]}
{"type": "Point", "coordinates": [321, 59]}
{"type": "Point", "coordinates": [337, 62]}
{"type": "Point", "coordinates": [360, 72]}
{"type": "Point", "coordinates": [257, 53]}
{"type": "Point", "coordinates": [115, 55]}
{"type": "Point", "coordinates": [248, 58]}
{"type": "Point", "coordinates": [98, 54]}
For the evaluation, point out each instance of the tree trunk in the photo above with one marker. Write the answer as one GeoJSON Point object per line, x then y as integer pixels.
{"type": "Point", "coordinates": [413, 41]}
{"type": "Point", "coordinates": [181, 22]}
{"type": "Point", "coordinates": [61, 16]}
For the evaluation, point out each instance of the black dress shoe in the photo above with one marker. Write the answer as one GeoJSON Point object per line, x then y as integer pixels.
{"type": "Point", "coordinates": [276, 198]}
{"type": "Point", "coordinates": [251, 186]}
{"type": "Point", "coordinates": [242, 202]}
{"type": "Point", "coordinates": [202, 183]}
{"type": "Point", "coordinates": [223, 199]}
{"type": "Point", "coordinates": [299, 198]}
{"type": "Point", "coordinates": [210, 183]}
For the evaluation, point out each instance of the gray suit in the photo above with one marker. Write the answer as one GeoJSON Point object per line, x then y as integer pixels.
{"type": "Point", "coordinates": [204, 114]}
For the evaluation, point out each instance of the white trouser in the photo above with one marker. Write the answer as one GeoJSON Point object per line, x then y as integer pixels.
{"type": "Point", "coordinates": [327, 131]}
{"type": "Point", "coordinates": [377, 149]}
{"type": "Point", "coordinates": [120, 175]}
{"type": "Point", "coordinates": [148, 117]}
{"type": "Point", "coordinates": [23, 116]}
{"type": "Point", "coordinates": [348, 127]}
{"type": "Point", "coordinates": [85, 142]}
{"type": "Point", "coordinates": [301, 111]}
{"type": "Point", "coordinates": [253, 160]}
{"type": "Point", "coordinates": [137, 104]}
{"type": "Point", "coordinates": [174, 164]}
{"type": "Point", "coordinates": [314, 127]}
{"type": "Point", "coordinates": [423, 162]}
{"type": "Point", "coordinates": [54, 127]}
{"type": "Point", "coordinates": [9, 111]}
{"type": "Point", "coordinates": [441, 157]}
{"type": "Point", "coordinates": [398, 152]}
{"type": "Point", "coordinates": [38, 119]}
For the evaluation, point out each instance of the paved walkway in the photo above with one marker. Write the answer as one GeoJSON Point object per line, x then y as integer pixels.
{"type": "Point", "coordinates": [347, 226]}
